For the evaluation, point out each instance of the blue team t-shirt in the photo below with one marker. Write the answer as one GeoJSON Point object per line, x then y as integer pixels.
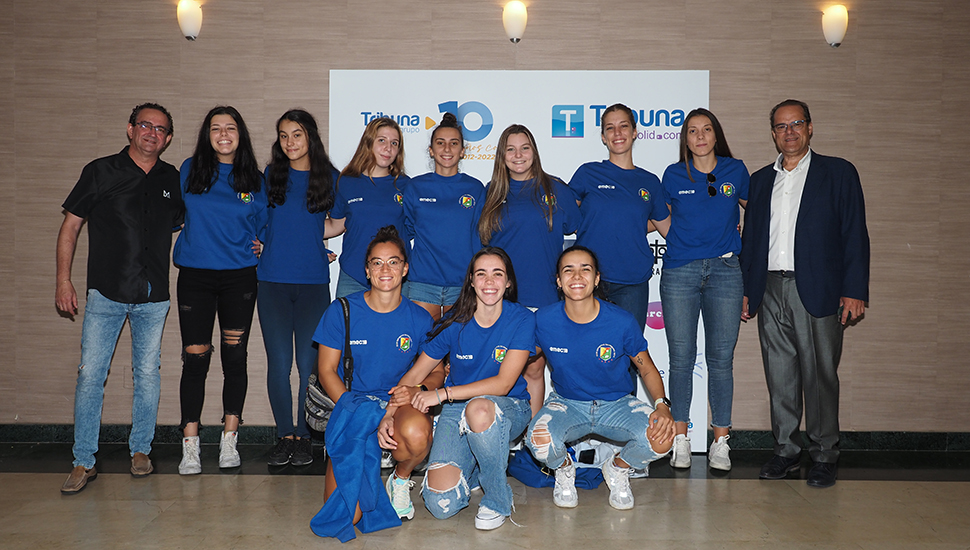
{"type": "Point", "coordinates": [589, 361]}
{"type": "Point", "coordinates": [526, 237]}
{"type": "Point", "coordinates": [703, 226]}
{"type": "Point", "coordinates": [440, 215]}
{"type": "Point", "coordinates": [616, 205]}
{"type": "Point", "coordinates": [368, 205]}
{"type": "Point", "coordinates": [383, 345]}
{"type": "Point", "coordinates": [293, 251]}
{"type": "Point", "coordinates": [220, 225]}
{"type": "Point", "coordinates": [477, 353]}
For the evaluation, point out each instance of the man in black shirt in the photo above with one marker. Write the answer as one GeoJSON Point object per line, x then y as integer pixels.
{"type": "Point", "coordinates": [132, 204]}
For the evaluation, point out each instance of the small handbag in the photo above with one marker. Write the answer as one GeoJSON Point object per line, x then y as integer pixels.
{"type": "Point", "coordinates": [318, 404]}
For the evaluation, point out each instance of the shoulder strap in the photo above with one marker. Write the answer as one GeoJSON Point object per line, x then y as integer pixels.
{"type": "Point", "coordinates": [348, 358]}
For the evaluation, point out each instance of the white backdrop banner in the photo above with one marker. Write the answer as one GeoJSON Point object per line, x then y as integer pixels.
{"type": "Point", "coordinates": [561, 108]}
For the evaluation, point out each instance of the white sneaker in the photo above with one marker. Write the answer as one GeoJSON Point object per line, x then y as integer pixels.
{"type": "Point", "coordinates": [191, 463]}
{"type": "Point", "coordinates": [387, 461]}
{"type": "Point", "coordinates": [399, 491]}
{"type": "Point", "coordinates": [228, 455]}
{"type": "Point", "coordinates": [618, 480]}
{"type": "Point", "coordinates": [564, 493]}
{"type": "Point", "coordinates": [681, 452]}
{"type": "Point", "coordinates": [719, 457]}
{"type": "Point", "coordinates": [488, 519]}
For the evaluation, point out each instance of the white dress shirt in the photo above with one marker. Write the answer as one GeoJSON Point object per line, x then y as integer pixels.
{"type": "Point", "coordinates": [786, 197]}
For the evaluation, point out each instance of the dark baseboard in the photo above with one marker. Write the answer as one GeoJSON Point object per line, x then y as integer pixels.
{"type": "Point", "coordinates": [266, 435]}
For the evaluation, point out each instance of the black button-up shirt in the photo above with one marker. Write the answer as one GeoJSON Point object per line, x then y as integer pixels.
{"type": "Point", "coordinates": [131, 216]}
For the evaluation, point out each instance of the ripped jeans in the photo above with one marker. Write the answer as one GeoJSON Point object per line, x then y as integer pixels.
{"type": "Point", "coordinates": [483, 458]}
{"type": "Point", "coordinates": [567, 420]}
{"type": "Point", "coordinates": [202, 293]}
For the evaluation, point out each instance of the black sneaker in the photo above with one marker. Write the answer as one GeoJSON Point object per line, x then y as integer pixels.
{"type": "Point", "coordinates": [302, 452]}
{"type": "Point", "coordinates": [282, 453]}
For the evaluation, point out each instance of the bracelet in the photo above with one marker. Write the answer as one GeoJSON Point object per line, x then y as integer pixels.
{"type": "Point", "coordinates": [436, 394]}
{"type": "Point", "coordinates": [421, 387]}
{"type": "Point", "coordinates": [448, 393]}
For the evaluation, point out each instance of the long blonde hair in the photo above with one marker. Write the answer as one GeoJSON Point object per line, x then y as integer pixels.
{"type": "Point", "coordinates": [363, 159]}
{"type": "Point", "coordinates": [543, 190]}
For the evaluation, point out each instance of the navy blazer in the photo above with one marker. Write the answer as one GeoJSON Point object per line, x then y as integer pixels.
{"type": "Point", "coordinates": [831, 239]}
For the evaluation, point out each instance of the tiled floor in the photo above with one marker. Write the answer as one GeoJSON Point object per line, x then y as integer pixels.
{"type": "Point", "coordinates": [883, 501]}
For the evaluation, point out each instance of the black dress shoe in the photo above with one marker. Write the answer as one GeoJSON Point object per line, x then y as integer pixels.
{"type": "Point", "coordinates": [823, 474]}
{"type": "Point", "coordinates": [779, 467]}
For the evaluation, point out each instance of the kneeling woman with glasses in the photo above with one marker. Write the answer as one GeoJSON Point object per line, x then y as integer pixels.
{"type": "Point", "coordinates": [485, 404]}
{"type": "Point", "coordinates": [587, 342]}
{"type": "Point", "coordinates": [386, 333]}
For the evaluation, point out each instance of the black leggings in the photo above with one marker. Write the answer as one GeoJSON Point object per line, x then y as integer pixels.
{"type": "Point", "coordinates": [201, 294]}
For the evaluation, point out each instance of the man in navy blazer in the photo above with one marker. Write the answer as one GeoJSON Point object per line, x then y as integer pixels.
{"type": "Point", "coordinates": [805, 263]}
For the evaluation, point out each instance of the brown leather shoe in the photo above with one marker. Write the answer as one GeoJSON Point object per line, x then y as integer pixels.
{"type": "Point", "coordinates": [78, 480]}
{"type": "Point", "coordinates": [141, 465]}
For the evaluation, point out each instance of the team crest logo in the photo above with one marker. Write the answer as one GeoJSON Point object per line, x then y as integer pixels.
{"type": "Point", "coordinates": [398, 198]}
{"type": "Point", "coordinates": [404, 343]}
{"type": "Point", "coordinates": [245, 197]}
{"type": "Point", "coordinates": [727, 189]}
{"type": "Point", "coordinates": [605, 353]}
{"type": "Point", "coordinates": [550, 200]}
{"type": "Point", "coordinates": [467, 201]}
{"type": "Point", "coordinates": [499, 353]}
{"type": "Point", "coordinates": [645, 195]}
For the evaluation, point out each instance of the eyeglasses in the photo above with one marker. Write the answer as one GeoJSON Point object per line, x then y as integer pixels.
{"type": "Point", "coordinates": [711, 190]}
{"type": "Point", "coordinates": [393, 263]}
{"type": "Point", "coordinates": [145, 125]}
{"type": "Point", "coordinates": [796, 126]}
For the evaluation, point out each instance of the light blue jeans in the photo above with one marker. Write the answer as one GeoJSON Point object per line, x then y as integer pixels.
{"type": "Point", "coordinates": [567, 420]}
{"type": "Point", "coordinates": [482, 457]}
{"type": "Point", "coordinates": [347, 285]}
{"type": "Point", "coordinates": [103, 319]}
{"type": "Point", "coordinates": [712, 287]}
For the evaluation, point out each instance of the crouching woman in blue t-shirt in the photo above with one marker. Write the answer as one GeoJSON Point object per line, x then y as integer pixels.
{"type": "Point", "coordinates": [488, 338]}
{"type": "Point", "coordinates": [386, 333]}
{"type": "Point", "coordinates": [586, 341]}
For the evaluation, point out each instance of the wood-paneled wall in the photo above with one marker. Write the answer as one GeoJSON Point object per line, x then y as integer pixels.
{"type": "Point", "coordinates": [892, 99]}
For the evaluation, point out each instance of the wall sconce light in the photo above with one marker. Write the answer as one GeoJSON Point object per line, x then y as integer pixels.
{"type": "Point", "coordinates": [834, 22]}
{"type": "Point", "coordinates": [514, 17]}
{"type": "Point", "coordinates": [190, 18]}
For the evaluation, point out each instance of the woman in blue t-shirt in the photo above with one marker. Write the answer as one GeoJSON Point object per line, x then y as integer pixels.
{"type": "Point", "coordinates": [485, 404]}
{"type": "Point", "coordinates": [526, 212]}
{"type": "Point", "coordinates": [701, 273]}
{"type": "Point", "coordinates": [439, 212]}
{"type": "Point", "coordinates": [387, 331]}
{"type": "Point", "coordinates": [294, 273]}
{"type": "Point", "coordinates": [620, 203]}
{"type": "Point", "coordinates": [586, 341]}
{"type": "Point", "coordinates": [370, 194]}
{"type": "Point", "coordinates": [225, 217]}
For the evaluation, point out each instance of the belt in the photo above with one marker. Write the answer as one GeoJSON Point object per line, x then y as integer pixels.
{"type": "Point", "coordinates": [784, 273]}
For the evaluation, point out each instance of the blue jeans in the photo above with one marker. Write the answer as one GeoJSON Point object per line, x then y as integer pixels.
{"type": "Point", "coordinates": [632, 298]}
{"type": "Point", "coordinates": [347, 285]}
{"type": "Point", "coordinates": [567, 420]}
{"type": "Point", "coordinates": [712, 287]}
{"type": "Point", "coordinates": [289, 313]}
{"type": "Point", "coordinates": [482, 457]}
{"type": "Point", "coordinates": [103, 319]}
{"type": "Point", "coordinates": [433, 294]}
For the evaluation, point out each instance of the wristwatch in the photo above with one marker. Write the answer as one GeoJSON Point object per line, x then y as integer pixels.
{"type": "Point", "coordinates": [660, 400]}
